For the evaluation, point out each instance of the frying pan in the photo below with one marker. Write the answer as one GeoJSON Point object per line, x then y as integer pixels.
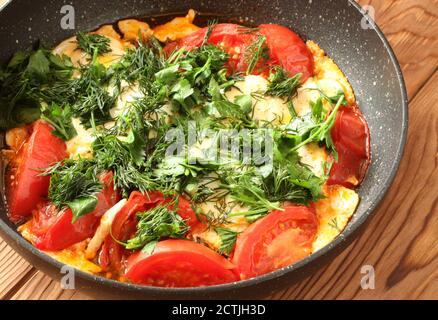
{"type": "Point", "coordinates": [358, 47]}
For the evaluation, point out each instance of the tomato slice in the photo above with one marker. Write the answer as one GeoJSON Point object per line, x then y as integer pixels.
{"type": "Point", "coordinates": [351, 137]}
{"type": "Point", "coordinates": [25, 187]}
{"type": "Point", "coordinates": [112, 254]}
{"type": "Point", "coordinates": [275, 241]}
{"type": "Point", "coordinates": [54, 230]}
{"type": "Point", "coordinates": [285, 47]}
{"type": "Point", "coordinates": [180, 263]}
{"type": "Point", "coordinates": [125, 222]}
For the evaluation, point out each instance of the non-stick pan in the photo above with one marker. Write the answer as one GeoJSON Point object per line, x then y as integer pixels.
{"type": "Point", "coordinates": [338, 26]}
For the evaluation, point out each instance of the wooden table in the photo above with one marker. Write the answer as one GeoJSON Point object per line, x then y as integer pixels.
{"type": "Point", "coordinates": [401, 241]}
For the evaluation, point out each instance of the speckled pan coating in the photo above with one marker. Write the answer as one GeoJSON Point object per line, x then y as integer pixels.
{"type": "Point", "coordinates": [363, 54]}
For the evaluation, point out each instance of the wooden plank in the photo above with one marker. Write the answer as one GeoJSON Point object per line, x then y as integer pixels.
{"type": "Point", "coordinates": [42, 287]}
{"type": "Point", "coordinates": [13, 269]}
{"type": "Point", "coordinates": [401, 242]}
{"type": "Point", "coordinates": [411, 27]}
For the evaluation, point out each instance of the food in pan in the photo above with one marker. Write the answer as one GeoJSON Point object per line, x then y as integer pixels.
{"type": "Point", "coordinates": [179, 155]}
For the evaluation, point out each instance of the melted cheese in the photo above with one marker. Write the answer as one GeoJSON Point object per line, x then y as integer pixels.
{"type": "Point", "coordinates": [132, 29]}
{"type": "Point", "coordinates": [334, 212]}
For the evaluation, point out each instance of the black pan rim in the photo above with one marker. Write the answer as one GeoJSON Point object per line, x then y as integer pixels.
{"type": "Point", "coordinates": [16, 237]}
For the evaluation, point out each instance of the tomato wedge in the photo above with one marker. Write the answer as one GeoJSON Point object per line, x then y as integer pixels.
{"type": "Point", "coordinates": [351, 137]}
{"type": "Point", "coordinates": [285, 47]}
{"type": "Point", "coordinates": [54, 230]}
{"type": "Point", "coordinates": [112, 254]}
{"type": "Point", "coordinates": [125, 222]}
{"type": "Point", "coordinates": [275, 241]}
{"type": "Point", "coordinates": [26, 188]}
{"type": "Point", "coordinates": [180, 263]}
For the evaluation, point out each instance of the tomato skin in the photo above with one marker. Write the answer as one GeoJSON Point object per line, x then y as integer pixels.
{"type": "Point", "coordinates": [180, 263]}
{"type": "Point", "coordinates": [351, 137]}
{"type": "Point", "coordinates": [25, 187]}
{"type": "Point", "coordinates": [287, 49]}
{"type": "Point", "coordinates": [275, 241]}
{"type": "Point", "coordinates": [54, 230]}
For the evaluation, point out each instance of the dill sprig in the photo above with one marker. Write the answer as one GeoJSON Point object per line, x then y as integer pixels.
{"type": "Point", "coordinates": [255, 52]}
{"type": "Point", "coordinates": [281, 84]}
{"type": "Point", "coordinates": [74, 183]}
{"type": "Point", "coordinates": [155, 224]}
{"type": "Point", "coordinates": [228, 240]}
{"type": "Point", "coordinates": [93, 44]}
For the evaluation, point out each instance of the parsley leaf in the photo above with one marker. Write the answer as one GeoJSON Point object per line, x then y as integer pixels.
{"type": "Point", "coordinates": [61, 119]}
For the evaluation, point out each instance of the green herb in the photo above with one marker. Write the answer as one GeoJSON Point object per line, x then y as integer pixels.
{"type": "Point", "coordinates": [228, 240]}
{"type": "Point", "coordinates": [247, 188]}
{"type": "Point", "coordinates": [210, 28]}
{"type": "Point", "coordinates": [39, 65]}
{"type": "Point", "coordinates": [93, 44]}
{"type": "Point", "coordinates": [125, 157]}
{"type": "Point", "coordinates": [93, 100]}
{"type": "Point", "coordinates": [281, 84]}
{"type": "Point", "coordinates": [61, 120]}
{"type": "Point", "coordinates": [74, 183]}
{"type": "Point", "coordinates": [24, 84]}
{"type": "Point", "coordinates": [254, 52]}
{"type": "Point", "coordinates": [155, 224]}
{"type": "Point", "coordinates": [139, 64]}
{"type": "Point", "coordinates": [320, 132]}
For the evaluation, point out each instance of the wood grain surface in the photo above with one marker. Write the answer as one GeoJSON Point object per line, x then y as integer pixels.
{"type": "Point", "coordinates": [401, 240]}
